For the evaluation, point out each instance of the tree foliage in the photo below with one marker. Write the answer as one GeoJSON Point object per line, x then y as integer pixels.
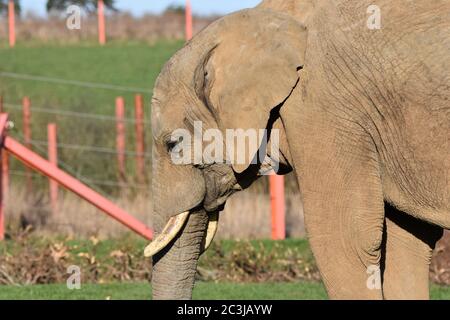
{"type": "Point", "coordinates": [4, 6]}
{"type": "Point", "coordinates": [176, 9]}
{"type": "Point", "coordinates": [87, 5]}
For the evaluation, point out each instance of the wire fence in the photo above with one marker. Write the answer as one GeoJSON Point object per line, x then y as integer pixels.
{"type": "Point", "coordinates": [58, 111]}
{"type": "Point", "coordinates": [94, 85]}
{"type": "Point", "coordinates": [90, 182]}
{"type": "Point", "coordinates": [96, 149]}
{"type": "Point", "coordinates": [39, 144]}
{"type": "Point", "coordinates": [95, 184]}
{"type": "Point", "coordinates": [67, 113]}
{"type": "Point", "coordinates": [82, 116]}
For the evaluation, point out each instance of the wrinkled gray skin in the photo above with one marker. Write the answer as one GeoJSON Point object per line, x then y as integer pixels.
{"type": "Point", "coordinates": [364, 118]}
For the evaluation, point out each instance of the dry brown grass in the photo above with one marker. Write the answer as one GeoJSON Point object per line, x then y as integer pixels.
{"type": "Point", "coordinates": [120, 27]}
{"type": "Point", "coordinates": [246, 216]}
{"type": "Point", "coordinates": [75, 217]}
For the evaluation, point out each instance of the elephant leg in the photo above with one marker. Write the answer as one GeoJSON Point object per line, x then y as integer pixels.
{"type": "Point", "coordinates": [408, 247]}
{"type": "Point", "coordinates": [344, 214]}
{"type": "Point", "coordinates": [339, 179]}
{"type": "Point", "coordinates": [344, 221]}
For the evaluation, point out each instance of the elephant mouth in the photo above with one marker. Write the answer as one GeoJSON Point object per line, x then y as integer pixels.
{"type": "Point", "coordinates": [176, 223]}
{"type": "Point", "coordinates": [221, 183]}
{"type": "Point", "coordinates": [173, 228]}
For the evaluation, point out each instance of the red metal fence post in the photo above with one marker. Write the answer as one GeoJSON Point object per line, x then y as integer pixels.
{"type": "Point", "coordinates": [4, 165]}
{"type": "Point", "coordinates": [188, 11]}
{"type": "Point", "coordinates": [53, 158]}
{"type": "Point", "coordinates": [3, 123]}
{"type": "Point", "coordinates": [101, 22]}
{"type": "Point", "coordinates": [120, 140]}
{"type": "Point", "coordinates": [11, 23]}
{"type": "Point", "coordinates": [5, 175]}
{"type": "Point", "coordinates": [2, 201]}
{"type": "Point", "coordinates": [278, 207]}
{"type": "Point", "coordinates": [27, 137]}
{"type": "Point", "coordinates": [140, 138]}
{"type": "Point", "coordinates": [26, 104]}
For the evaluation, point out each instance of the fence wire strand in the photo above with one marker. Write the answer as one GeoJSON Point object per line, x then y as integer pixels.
{"type": "Point", "coordinates": [105, 183]}
{"type": "Point", "coordinates": [85, 84]}
{"type": "Point", "coordinates": [93, 149]}
{"type": "Point", "coordinates": [67, 113]}
{"type": "Point", "coordinates": [87, 181]}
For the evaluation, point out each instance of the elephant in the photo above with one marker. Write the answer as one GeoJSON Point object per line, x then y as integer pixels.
{"type": "Point", "coordinates": [363, 119]}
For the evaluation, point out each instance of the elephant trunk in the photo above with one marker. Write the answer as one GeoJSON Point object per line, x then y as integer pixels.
{"type": "Point", "coordinates": [175, 266]}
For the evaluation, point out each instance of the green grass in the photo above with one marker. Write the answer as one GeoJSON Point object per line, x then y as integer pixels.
{"type": "Point", "coordinates": [202, 291]}
{"type": "Point", "coordinates": [267, 244]}
{"type": "Point", "coordinates": [129, 65]}
{"type": "Point", "coordinates": [131, 242]}
{"type": "Point", "coordinates": [134, 65]}
{"type": "Point", "coordinates": [102, 248]}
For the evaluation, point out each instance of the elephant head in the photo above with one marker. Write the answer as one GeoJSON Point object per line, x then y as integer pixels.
{"type": "Point", "coordinates": [234, 75]}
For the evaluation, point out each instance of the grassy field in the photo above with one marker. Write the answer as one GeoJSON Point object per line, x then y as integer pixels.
{"type": "Point", "coordinates": [128, 65]}
{"type": "Point", "coordinates": [202, 291]}
{"type": "Point", "coordinates": [142, 291]}
{"type": "Point", "coordinates": [44, 260]}
{"type": "Point", "coordinates": [259, 269]}
{"type": "Point", "coordinates": [134, 65]}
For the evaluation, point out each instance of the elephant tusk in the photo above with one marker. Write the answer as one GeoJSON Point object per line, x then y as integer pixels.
{"type": "Point", "coordinates": [213, 223]}
{"type": "Point", "coordinates": [169, 232]}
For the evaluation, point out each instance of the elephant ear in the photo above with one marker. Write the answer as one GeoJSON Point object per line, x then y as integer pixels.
{"type": "Point", "coordinates": [253, 69]}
